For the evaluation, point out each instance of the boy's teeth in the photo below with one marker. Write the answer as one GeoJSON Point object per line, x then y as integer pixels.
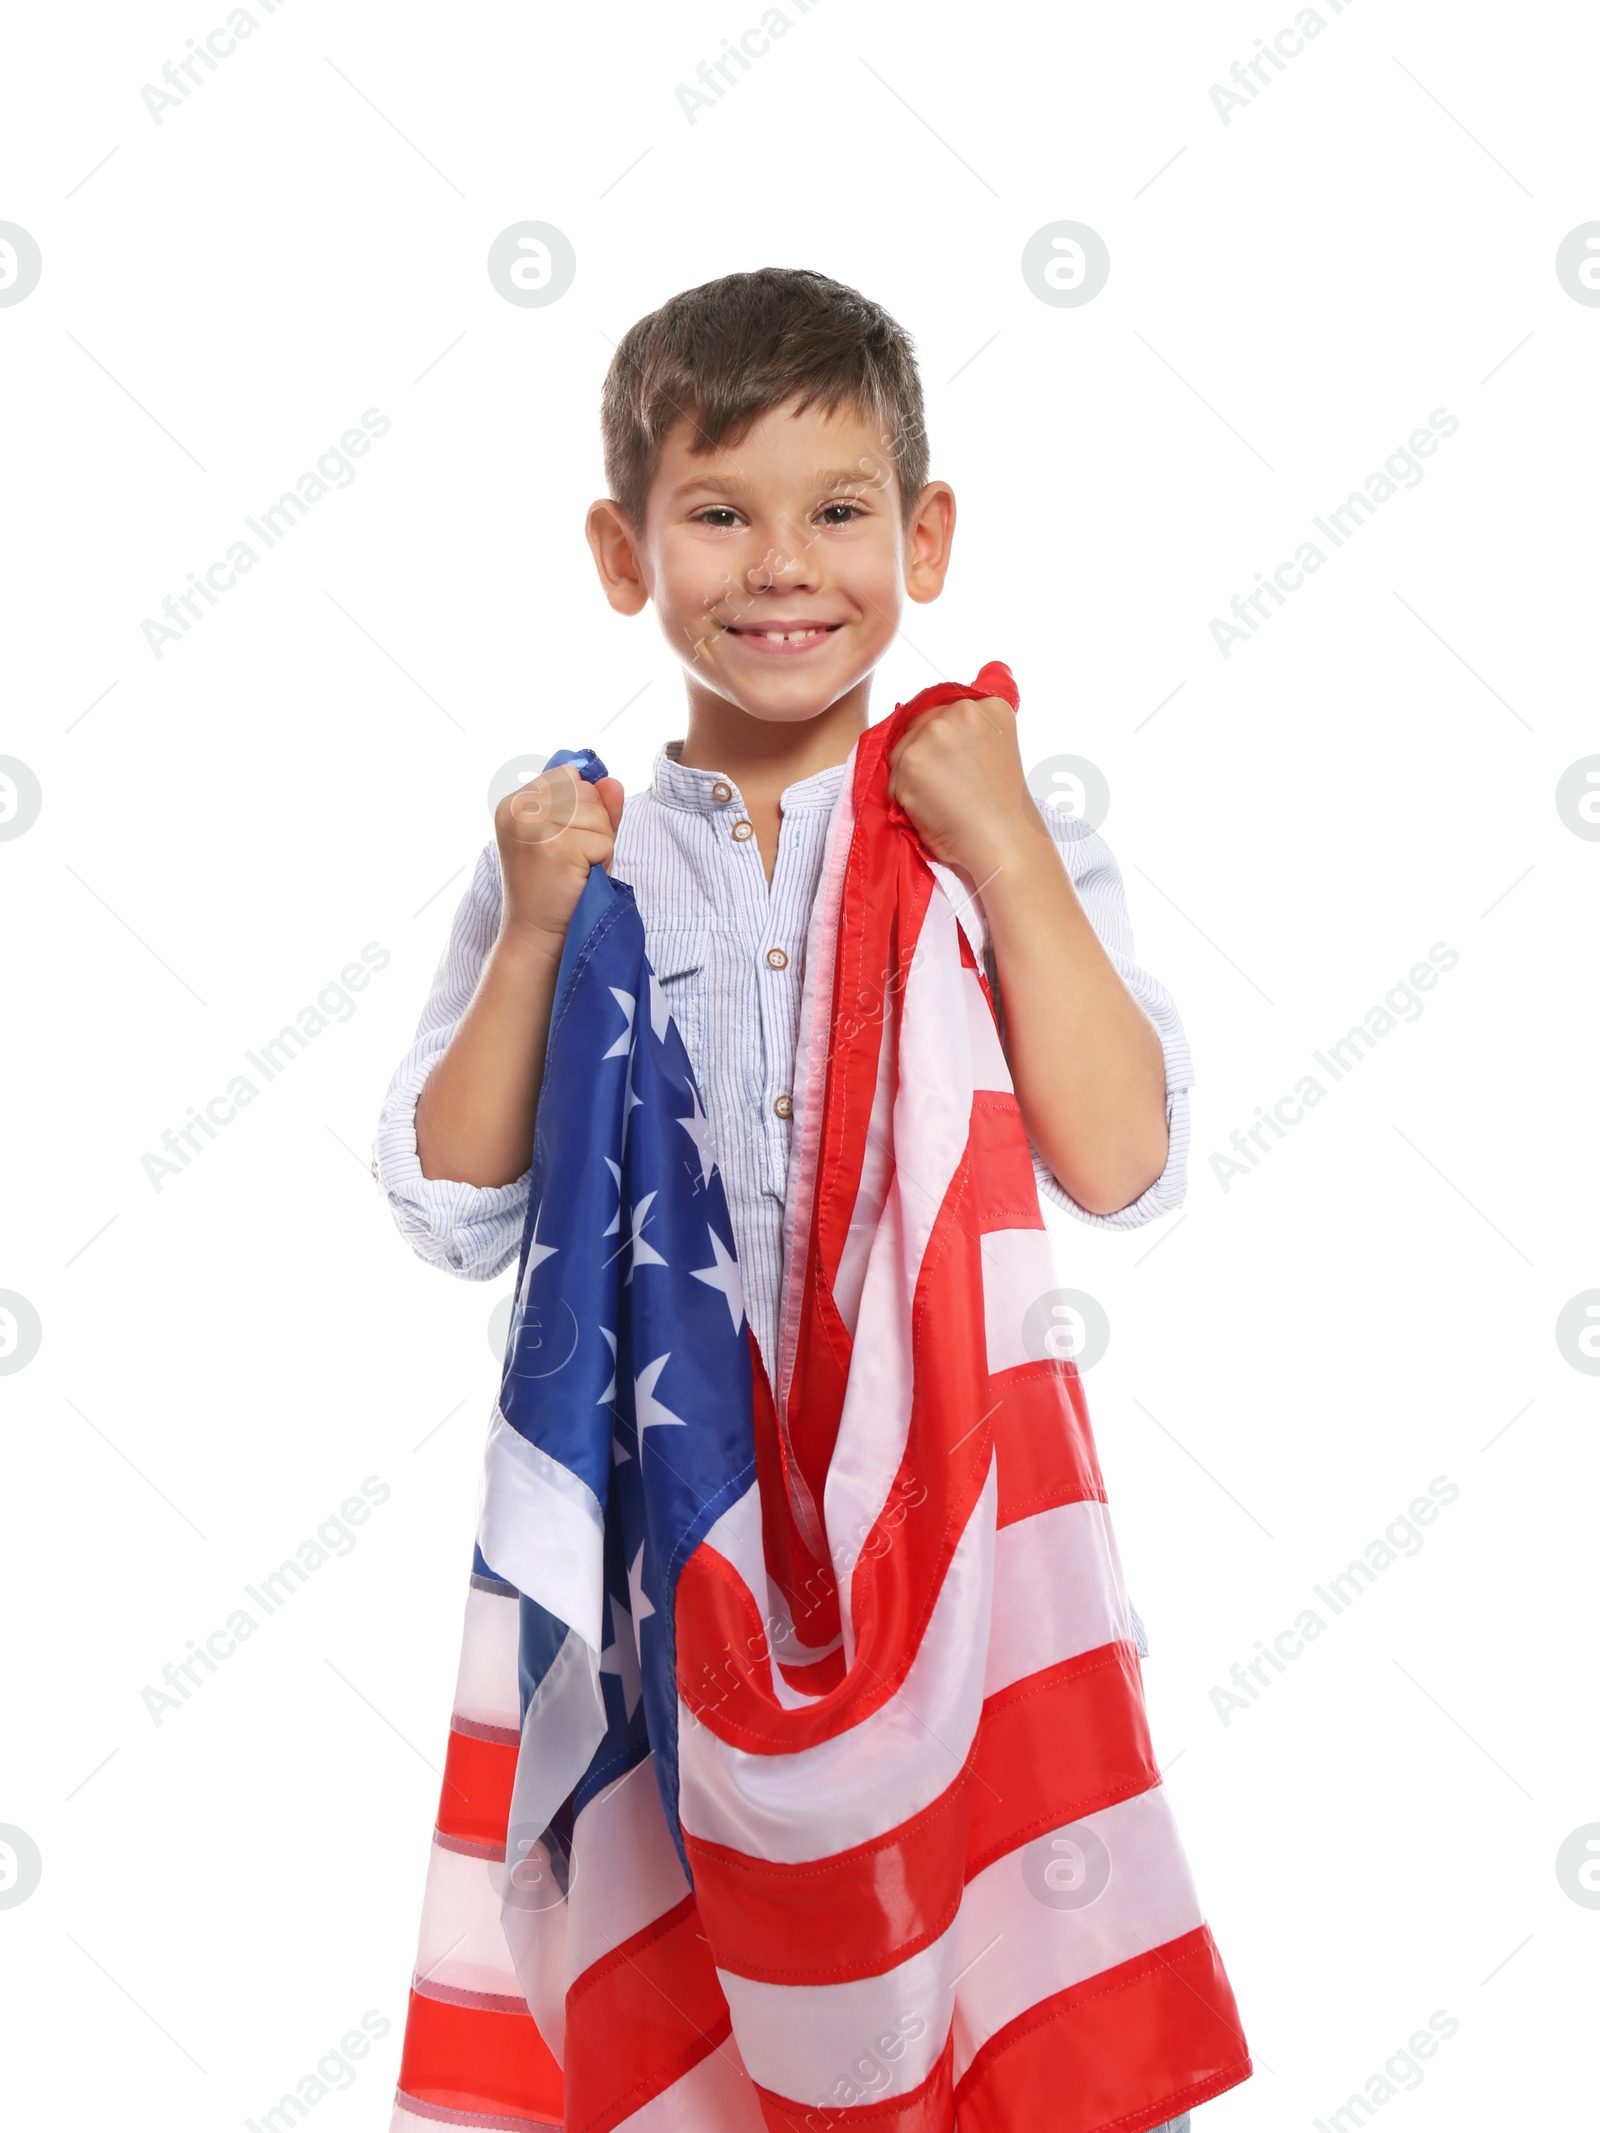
{"type": "Point", "coordinates": [789, 636]}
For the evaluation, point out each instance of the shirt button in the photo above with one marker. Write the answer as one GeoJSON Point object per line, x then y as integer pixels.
{"type": "Point", "coordinates": [722, 790]}
{"type": "Point", "coordinates": [777, 959]}
{"type": "Point", "coordinates": [742, 830]}
{"type": "Point", "coordinates": [784, 1106]}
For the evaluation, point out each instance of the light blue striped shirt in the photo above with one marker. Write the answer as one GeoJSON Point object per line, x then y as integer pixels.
{"type": "Point", "coordinates": [729, 952]}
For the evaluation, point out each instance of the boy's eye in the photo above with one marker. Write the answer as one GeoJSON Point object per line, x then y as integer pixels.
{"type": "Point", "coordinates": [717, 515]}
{"type": "Point", "coordinates": [849, 511]}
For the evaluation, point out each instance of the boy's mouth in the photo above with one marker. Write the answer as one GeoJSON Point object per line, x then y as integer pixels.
{"type": "Point", "coordinates": [782, 639]}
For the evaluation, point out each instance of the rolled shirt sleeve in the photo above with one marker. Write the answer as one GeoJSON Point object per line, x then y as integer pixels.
{"type": "Point", "coordinates": [471, 1230]}
{"type": "Point", "coordinates": [1098, 881]}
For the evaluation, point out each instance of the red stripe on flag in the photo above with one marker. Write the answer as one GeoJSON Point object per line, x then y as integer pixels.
{"type": "Point", "coordinates": [1005, 1192]}
{"type": "Point", "coordinates": [806, 1584]}
{"type": "Point", "coordinates": [640, 2018]}
{"type": "Point", "coordinates": [818, 1676]}
{"type": "Point", "coordinates": [1060, 1744]}
{"type": "Point", "coordinates": [904, 1559]}
{"type": "Point", "coordinates": [475, 1798]}
{"type": "Point", "coordinates": [1128, 2048]}
{"type": "Point", "coordinates": [722, 1655]}
{"type": "Point", "coordinates": [1056, 1745]}
{"type": "Point", "coordinates": [883, 902]}
{"type": "Point", "coordinates": [885, 898]}
{"type": "Point", "coordinates": [853, 1914]}
{"type": "Point", "coordinates": [479, 2060]}
{"type": "Point", "coordinates": [722, 1650]}
{"type": "Point", "coordinates": [927, 2109]}
{"type": "Point", "coordinates": [886, 894]}
{"type": "Point", "coordinates": [1042, 1439]}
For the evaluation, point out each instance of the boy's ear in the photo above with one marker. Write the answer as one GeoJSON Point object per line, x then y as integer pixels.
{"type": "Point", "coordinates": [929, 533]}
{"type": "Point", "coordinates": [615, 548]}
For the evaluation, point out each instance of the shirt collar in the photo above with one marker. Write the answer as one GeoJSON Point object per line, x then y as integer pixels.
{"type": "Point", "coordinates": [678, 785]}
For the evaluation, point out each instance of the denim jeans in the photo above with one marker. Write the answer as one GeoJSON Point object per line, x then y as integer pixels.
{"type": "Point", "coordinates": [1173, 2125]}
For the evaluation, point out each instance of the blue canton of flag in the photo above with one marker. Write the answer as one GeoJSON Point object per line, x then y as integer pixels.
{"type": "Point", "coordinates": [625, 1425]}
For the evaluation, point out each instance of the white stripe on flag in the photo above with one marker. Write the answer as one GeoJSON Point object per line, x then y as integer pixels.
{"type": "Point", "coordinates": [799, 2040]}
{"type": "Point", "coordinates": [875, 1417]}
{"type": "Point", "coordinates": [1018, 1268]}
{"type": "Point", "coordinates": [1057, 1592]}
{"type": "Point", "coordinates": [565, 1723]}
{"type": "Point", "coordinates": [715, 2096]}
{"type": "Point", "coordinates": [535, 1931]}
{"type": "Point", "coordinates": [989, 1069]}
{"type": "Point", "coordinates": [814, 1038]}
{"type": "Point", "coordinates": [625, 1868]}
{"type": "Point", "coordinates": [868, 1780]}
{"type": "Point", "coordinates": [1024, 1937]}
{"type": "Point", "coordinates": [967, 904]}
{"type": "Point", "coordinates": [932, 1123]}
{"type": "Point", "coordinates": [877, 1164]}
{"type": "Point", "coordinates": [431, 2117]}
{"type": "Point", "coordinates": [933, 1096]}
{"type": "Point", "coordinates": [461, 1946]}
{"type": "Point", "coordinates": [540, 1528]}
{"type": "Point", "coordinates": [486, 1682]}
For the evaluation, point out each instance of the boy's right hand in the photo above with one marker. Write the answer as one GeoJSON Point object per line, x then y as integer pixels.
{"type": "Point", "coordinates": [550, 832]}
{"type": "Point", "coordinates": [477, 1109]}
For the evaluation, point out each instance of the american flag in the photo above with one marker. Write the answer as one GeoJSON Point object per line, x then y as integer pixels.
{"type": "Point", "coordinates": [799, 1775]}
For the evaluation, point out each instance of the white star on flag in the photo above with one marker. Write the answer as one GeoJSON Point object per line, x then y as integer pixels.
{"type": "Point", "coordinates": [615, 1169]}
{"type": "Point", "coordinates": [641, 1605]}
{"type": "Point", "coordinates": [624, 1044]}
{"type": "Point", "coordinates": [724, 1276]}
{"type": "Point", "coordinates": [631, 1098]}
{"type": "Point", "coordinates": [660, 1013]}
{"type": "Point", "coordinates": [698, 1128]}
{"type": "Point", "coordinates": [647, 1408]}
{"type": "Point", "coordinates": [620, 1658]}
{"type": "Point", "coordinates": [537, 1254]}
{"type": "Point", "coordinates": [643, 1254]}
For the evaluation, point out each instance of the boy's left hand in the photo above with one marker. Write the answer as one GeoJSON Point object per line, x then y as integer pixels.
{"type": "Point", "coordinates": [957, 772]}
{"type": "Point", "coordinates": [1086, 1062]}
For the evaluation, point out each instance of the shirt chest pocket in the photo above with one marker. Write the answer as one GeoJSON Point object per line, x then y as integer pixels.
{"type": "Point", "coordinates": [679, 960]}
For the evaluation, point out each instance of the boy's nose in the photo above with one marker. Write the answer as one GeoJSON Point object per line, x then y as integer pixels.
{"type": "Point", "coordinates": [789, 561]}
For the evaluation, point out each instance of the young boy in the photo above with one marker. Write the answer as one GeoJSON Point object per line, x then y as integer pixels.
{"type": "Point", "coordinates": [770, 498]}
{"type": "Point", "coordinates": [765, 448]}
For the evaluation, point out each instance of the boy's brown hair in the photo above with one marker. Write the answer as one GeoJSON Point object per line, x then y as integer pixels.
{"type": "Point", "coordinates": [725, 353]}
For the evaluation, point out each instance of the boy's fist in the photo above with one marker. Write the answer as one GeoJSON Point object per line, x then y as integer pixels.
{"type": "Point", "coordinates": [957, 771]}
{"type": "Point", "coordinates": [550, 832]}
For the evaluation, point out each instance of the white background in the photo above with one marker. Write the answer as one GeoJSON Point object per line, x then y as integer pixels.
{"type": "Point", "coordinates": [1292, 1359]}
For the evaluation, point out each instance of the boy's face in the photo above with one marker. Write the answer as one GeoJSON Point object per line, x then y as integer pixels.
{"type": "Point", "coordinates": [778, 567]}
